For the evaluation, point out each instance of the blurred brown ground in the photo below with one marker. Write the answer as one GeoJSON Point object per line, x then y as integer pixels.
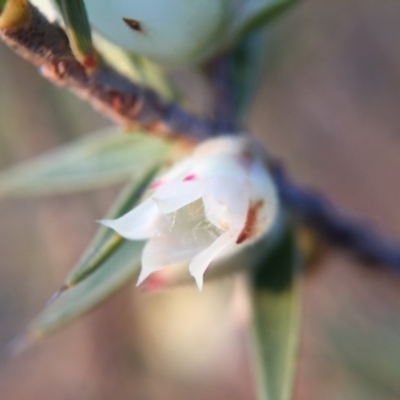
{"type": "Point", "coordinates": [330, 107]}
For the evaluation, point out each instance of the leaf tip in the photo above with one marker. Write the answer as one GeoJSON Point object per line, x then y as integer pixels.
{"type": "Point", "coordinates": [58, 293]}
{"type": "Point", "coordinates": [21, 343]}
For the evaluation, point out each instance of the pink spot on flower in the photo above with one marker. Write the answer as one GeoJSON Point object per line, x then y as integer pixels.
{"type": "Point", "coordinates": [190, 177]}
{"type": "Point", "coordinates": [154, 283]}
{"type": "Point", "coordinates": [156, 184]}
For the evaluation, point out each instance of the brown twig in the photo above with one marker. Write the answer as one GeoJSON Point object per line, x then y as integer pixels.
{"type": "Point", "coordinates": [46, 46]}
{"type": "Point", "coordinates": [337, 228]}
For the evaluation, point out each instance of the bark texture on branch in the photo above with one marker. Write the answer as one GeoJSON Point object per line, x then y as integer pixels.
{"type": "Point", "coordinates": [46, 46]}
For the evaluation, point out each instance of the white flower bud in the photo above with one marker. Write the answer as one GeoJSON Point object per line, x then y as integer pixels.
{"type": "Point", "coordinates": [173, 32]}
{"type": "Point", "coordinates": [168, 31]}
{"type": "Point", "coordinates": [206, 207]}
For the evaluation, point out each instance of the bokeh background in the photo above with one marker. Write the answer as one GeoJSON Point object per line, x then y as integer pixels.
{"type": "Point", "coordinates": [330, 107]}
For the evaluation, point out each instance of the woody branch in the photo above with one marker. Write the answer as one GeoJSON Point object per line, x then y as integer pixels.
{"type": "Point", "coordinates": [46, 46]}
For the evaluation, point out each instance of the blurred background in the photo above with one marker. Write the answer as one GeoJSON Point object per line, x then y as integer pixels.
{"type": "Point", "coordinates": [329, 106]}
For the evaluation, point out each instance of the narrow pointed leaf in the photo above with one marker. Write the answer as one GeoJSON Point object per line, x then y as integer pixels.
{"type": "Point", "coordinates": [106, 240]}
{"type": "Point", "coordinates": [98, 160]}
{"type": "Point", "coordinates": [256, 13]}
{"type": "Point", "coordinates": [109, 262]}
{"type": "Point", "coordinates": [78, 30]}
{"type": "Point", "coordinates": [114, 272]}
{"type": "Point", "coordinates": [276, 308]}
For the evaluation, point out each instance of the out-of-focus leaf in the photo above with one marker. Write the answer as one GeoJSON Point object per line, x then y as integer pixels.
{"type": "Point", "coordinates": [370, 353]}
{"type": "Point", "coordinates": [248, 64]}
{"type": "Point", "coordinates": [276, 308]}
{"type": "Point", "coordinates": [137, 68]}
{"type": "Point", "coordinates": [95, 161]}
{"type": "Point", "coordinates": [364, 330]}
{"type": "Point", "coordinates": [256, 13]}
{"type": "Point", "coordinates": [119, 268]}
{"type": "Point", "coordinates": [106, 240]}
{"type": "Point", "coordinates": [108, 263]}
{"type": "Point", "coordinates": [2, 4]}
{"type": "Point", "coordinates": [78, 31]}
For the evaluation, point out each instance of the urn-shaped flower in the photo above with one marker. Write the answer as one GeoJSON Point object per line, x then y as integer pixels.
{"type": "Point", "coordinates": [207, 207]}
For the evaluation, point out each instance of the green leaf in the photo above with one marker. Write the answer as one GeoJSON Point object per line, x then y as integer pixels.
{"type": "Point", "coordinates": [114, 272]}
{"type": "Point", "coordinates": [108, 263]}
{"type": "Point", "coordinates": [256, 13]}
{"type": "Point", "coordinates": [97, 160]}
{"type": "Point", "coordinates": [137, 68]}
{"type": "Point", "coordinates": [78, 30]}
{"type": "Point", "coordinates": [276, 307]}
{"type": "Point", "coordinates": [106, 240]}
{"type": "Point", "coordinates": [248, 64]}
{"type": "Point", "coordinates": [2, 4]}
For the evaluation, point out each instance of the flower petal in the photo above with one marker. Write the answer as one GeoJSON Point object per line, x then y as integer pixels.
{"type": "Point", "coordinates": [149, 264]}
{"type": "Point", "coordinates": [175, 195]}
{"type": "Point", "coordinates": [218, 166]}
{"type": "Point", "coordinates": [160, 252]}
{"type": "Point", "coordinates": [143, 222]}
{"type": "Point", "coordinates": [264, 191]}
{"type": "Point", "coordinates": [226, 203]}
{"type": "Point", "coordinates": [189, 235]}
{"type": "Point", "coordinates": [201, 261]}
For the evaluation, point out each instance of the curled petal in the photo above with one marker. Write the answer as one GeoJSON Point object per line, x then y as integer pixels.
{"type": "Point", "coordinates": [143, 222]}
{"type": "Point", "coordinates": [176, 195]}
{"type": "Point", "coordinates": [201, 261]}
{"type": "Point", "coordinates": [150, 261]}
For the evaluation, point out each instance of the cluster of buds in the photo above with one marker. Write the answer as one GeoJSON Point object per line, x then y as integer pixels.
{"type": "Point", "coordinates": [206, 208]}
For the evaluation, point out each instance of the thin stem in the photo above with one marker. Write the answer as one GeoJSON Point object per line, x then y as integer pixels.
{"type": "Point", "coordinates": [337, 228]}
{"type": "Point", "coordinates": [46, 46]}
{"type": "Point", "coordinates": [220, 71]}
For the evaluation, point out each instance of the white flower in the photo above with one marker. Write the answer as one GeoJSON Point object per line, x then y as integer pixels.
{"type": "Point", "coordinates": [209, 205]}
